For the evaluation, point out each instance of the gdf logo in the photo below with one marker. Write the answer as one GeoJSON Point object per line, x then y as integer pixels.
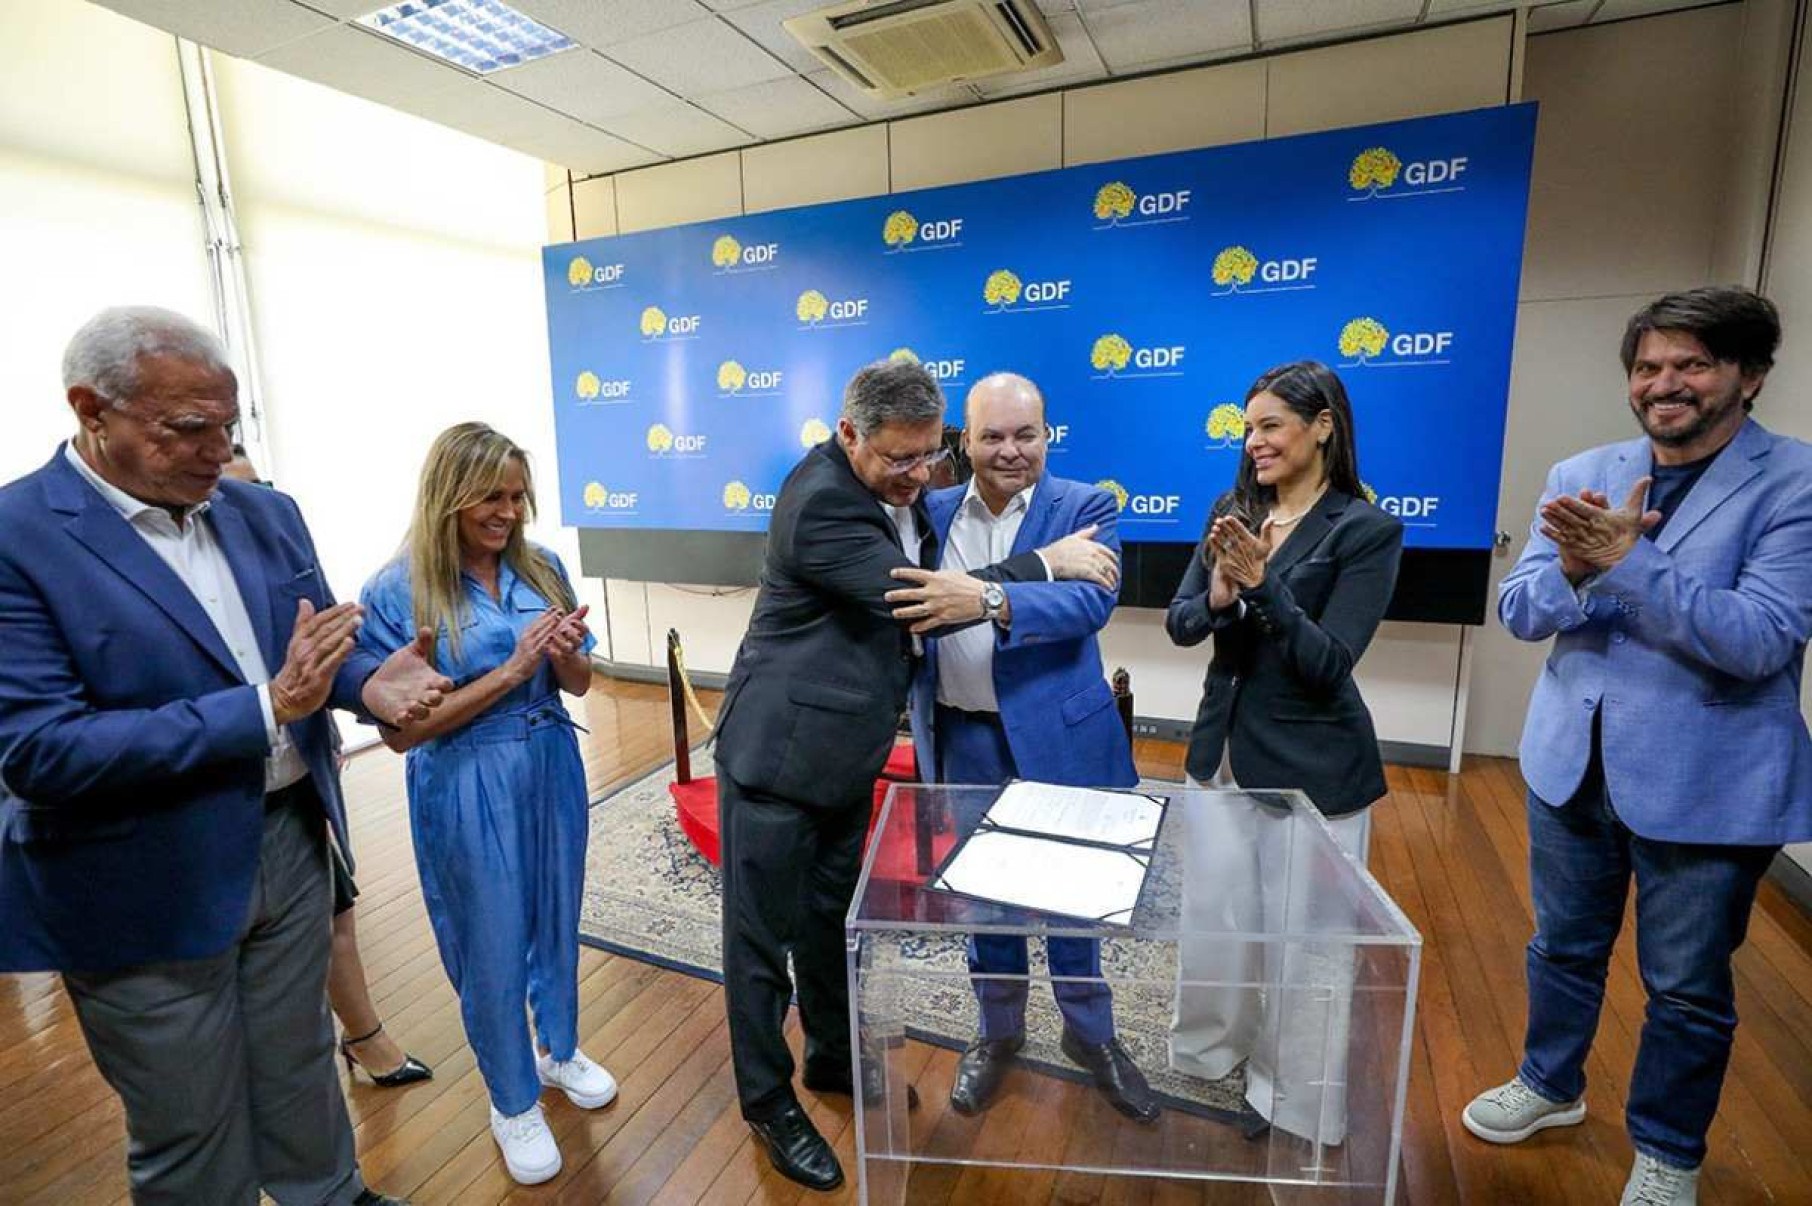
{"type": "Point", "coordinates": [1365, 341]}
{"type": "Point", "coordinates": [733, 380]}
{"type": "Point", "coordinates": [739, 499]}
{"type": "Point", "coordinates": [904, 232]}
{"type": "Point", "coordinates": [946, 371]}
{"type": "Point", "coordinates": [1411, 508]}
{"type": "Point", "coordinates": [1236, 267]}
{"type": "Point", "coordinates": [655, 324]}
{"type": "Point", "coordinates": [1226, 426]}
{"type": "Point", "coordinates": [1114, 356]}
{"type": "Point", "coordinates": [582, 274]}
{"type": "Point", "coordinates": [1116, 204]}
{"type": "Point", "coordinates": [1055, 434]}
{"type": "Point", "coordinates": [730, 255]}
{"type": "Point", "coordinates": [1377, 170]}
{"type": "Point", "coordinates": [1154, 508]}
{"type": "Point", "coordinates": [814, 309]}
{"type": "Point", "coordinates": [599, 498]}
{"type": "Point", "coordinates": [662, 441]}
{"type": "Point", "coordinates": [590, 388]}
{"type": "Point", "coordinates": [1004, 292]}
{"type": "Point", "coordinates": [813, 433]}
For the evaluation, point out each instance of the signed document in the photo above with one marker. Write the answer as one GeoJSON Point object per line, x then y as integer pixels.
{"type": "Point", "coordinates": [1084, 814]}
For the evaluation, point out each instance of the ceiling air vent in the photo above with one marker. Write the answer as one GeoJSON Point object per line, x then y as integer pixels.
{"type": "Point", "coordinates": [892, 48]}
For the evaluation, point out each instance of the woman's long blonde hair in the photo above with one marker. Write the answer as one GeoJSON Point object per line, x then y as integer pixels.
{"type": "Point", "coordinates": [465, 463]}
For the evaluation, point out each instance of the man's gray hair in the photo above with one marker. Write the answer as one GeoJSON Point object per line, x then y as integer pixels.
{"type": "Point", "coordinates": [891, 391]}
{"type": "Point", "coordinates": [104, 354]}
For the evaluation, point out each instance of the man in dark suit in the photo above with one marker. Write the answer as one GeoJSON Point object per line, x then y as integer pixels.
{"type": "Point", "coordinates": [166, 776]}
{"type": "Point", "coordinates": [808, 718]}
{"type": "Point", "coordinates": [1024, 697]}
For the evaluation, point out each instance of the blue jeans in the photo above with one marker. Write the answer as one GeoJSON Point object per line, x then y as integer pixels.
{"type": "Point", "coordinates": [1692, 912]}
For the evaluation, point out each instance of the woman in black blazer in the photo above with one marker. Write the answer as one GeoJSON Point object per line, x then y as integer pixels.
{"type": "Point", "coordinates": [1291, 581]}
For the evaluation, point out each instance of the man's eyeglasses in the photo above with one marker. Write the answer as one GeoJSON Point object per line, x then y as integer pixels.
{"type": "Point", "coordinates": [900, 466]}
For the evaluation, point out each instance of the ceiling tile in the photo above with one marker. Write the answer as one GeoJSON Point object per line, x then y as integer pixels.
{"type": "Point", "coordinates": [678, 129]}
{"type": "Point", "coordinates": [1132, 37]}
{"type": "Point", "coordinates": [1081, 62]}
{"type": "Point", "coordinates": [583, 84]}
{"type": "Point", "coordinates": [577, 146]}
{"type": "Point", "coordinates": [607, 22]}
{"type": "Point", "coordinates": [364, 64]}
{"type": "Point", "coordinates": [1567, 15]}
{"type": "Point", "coordinates": [698, 58]}
{"type": "Point", "coordinates": [347, 10]}
{"type": "Point", "coordinates": [247, 28]}
{"type": "Point", "coordinates": [874, 109]}
{"type": "Point", "coordinates": [481, 108]}
{"type": "Point", "coordinates": [779, 108]}
{"type": "Point", "coordinates": [762, 21]}
{"type": "Point", "coordinates": [730, 6]}
{"type": "Point", "coordinates": [1313, 20]}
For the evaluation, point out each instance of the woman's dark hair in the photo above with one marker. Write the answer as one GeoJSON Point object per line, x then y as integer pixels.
{"type": "Point", "coordinates": [1307, 387]}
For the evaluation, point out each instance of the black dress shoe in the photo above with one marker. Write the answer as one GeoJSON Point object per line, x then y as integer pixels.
{"type": "Point", "coordinates": [372, 1197]}
{"type": "Point", "coordinates": [980, 1071]}
{"type": "Point", "coordinates": [797, 1151]}
{"type": "Point", "coordinates": [410, 1071]}
{"type": "Point", "coordinates": [838, 1080]}
{"type": "Point", "coordinates": [1118, 1078]}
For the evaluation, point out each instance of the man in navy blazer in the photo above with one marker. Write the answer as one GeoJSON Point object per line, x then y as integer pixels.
{"type": "Point", "coordinates": [1024, 697]}
{"type": "Point", "coordinates": [167, 644]}
{"type": "Point", "coordinates": [1664, 741]}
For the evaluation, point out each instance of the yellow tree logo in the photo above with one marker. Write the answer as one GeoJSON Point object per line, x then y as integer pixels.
{"type": "Point", "coordinates": [1234, 267]}
{"type": "Point", "coordinates": [660, 439]}
{"type": "Point", "coordinates": [1226, 425]}
{"type": "Point", "coordinates": [587, 386]}
{"type": "Point", "coordinates": [736, 497]}
{"type": "Point", "coordinates": [595, 494]}
{"type": "Point", "coordinates": [654, 321]}
{"type": "Point", "coordinates": [900, 229]}
{"type": "Point", "coordinates": [730, 376]}
{"type": "Point", "coordinates": [1373, 169]}
{"type": "Point", "coordinates": [1363, 338]}
{"type": "Point", "coordinates": [903, 356]}
{"type": "Point", "coordinates": [1002, 288]}
{"type": "Point", "coordinates": [726, 251]}
{"type": "Point", "coordinates": [1110, 354]}
{"type": "Point", "coordinates": [578, 273]}
{"type": "Point", "coordinates": [1371, 495]}
{"type": "Point", "coordinates": [1116, 489]}
{"type": "Point", "coordinates": [811, 306]}
{"type": "Point", "coordinates": [1113, 202]}
{"type": "Point", "coordinates": [814, 433]}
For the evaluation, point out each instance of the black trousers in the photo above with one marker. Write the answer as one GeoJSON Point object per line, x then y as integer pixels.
{"type": "Point", "coordinates": [789, 871]}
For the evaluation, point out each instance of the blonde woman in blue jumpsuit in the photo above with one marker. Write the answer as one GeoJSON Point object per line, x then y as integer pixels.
{"type": "Point", "coordinates": [497, 800]}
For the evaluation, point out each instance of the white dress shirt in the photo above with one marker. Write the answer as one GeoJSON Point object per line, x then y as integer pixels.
{"type": "Point", "coordinates": [908, 528]}
{"type": "Point", "coordinates": [978, 538]}
{"type": "Point", "coordinates": [192, 553]}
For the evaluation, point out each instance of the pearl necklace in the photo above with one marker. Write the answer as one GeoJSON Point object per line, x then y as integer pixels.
{"type": "Point", "coordinates": [1284, 523]}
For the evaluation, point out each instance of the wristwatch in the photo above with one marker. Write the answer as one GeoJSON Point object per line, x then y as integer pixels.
{"type": "Point", "coordinates": [994, 599]}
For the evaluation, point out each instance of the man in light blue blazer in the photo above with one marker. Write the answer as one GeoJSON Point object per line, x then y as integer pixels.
{"type": "Point", "coordinates": [1023, 696]}
{"type": "Point", "coordinates": [1664, 741]}
{"type": "Point", "coordinates": [167, 645]}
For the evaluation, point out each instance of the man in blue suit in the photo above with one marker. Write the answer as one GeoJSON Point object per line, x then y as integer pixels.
{"type": "Point", "coordinates": [1664, 741]}
{"type": "Point", "coordinates": [167, 644]}
{"type": "Point", "coordinates": [1023, 697]}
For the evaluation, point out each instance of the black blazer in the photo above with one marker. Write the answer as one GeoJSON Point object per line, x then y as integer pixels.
{"type": "Point", "coordinates": [821, 678]}
{"type": "Point", "coordinates": [1279, 692]}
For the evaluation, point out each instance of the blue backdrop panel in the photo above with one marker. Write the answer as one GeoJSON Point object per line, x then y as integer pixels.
{"type": "Point", "coordinates": [693, 365]}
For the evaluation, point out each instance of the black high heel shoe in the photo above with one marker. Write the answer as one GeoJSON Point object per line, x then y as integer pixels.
{"type": "Point", "coordinates": [409, 1072]}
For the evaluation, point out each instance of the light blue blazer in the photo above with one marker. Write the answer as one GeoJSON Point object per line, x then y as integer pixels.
{"type": "Point", "coordinates": [1055, 703]}
{"type": "Point", "coordinates": [1690, 649]}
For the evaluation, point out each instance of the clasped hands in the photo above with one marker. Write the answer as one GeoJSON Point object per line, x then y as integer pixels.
{"type": "Point", "coordinates": [1236, 558]}
{"type": "Point", "coordinates": [403, 690]}
{"type": "Point", "coordinates": [552, 635]}
{"type": "Point", "coordinates": [938, 598]}
{"type": "Point", "coordinates": [1591, 535]}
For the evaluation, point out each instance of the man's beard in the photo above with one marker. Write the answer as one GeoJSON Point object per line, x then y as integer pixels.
{"type": "Point", "coordinates": [1707, 414]}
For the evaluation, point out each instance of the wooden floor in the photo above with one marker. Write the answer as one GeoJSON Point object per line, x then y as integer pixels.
{"type": "Point", "coordinates": [1451, 850]}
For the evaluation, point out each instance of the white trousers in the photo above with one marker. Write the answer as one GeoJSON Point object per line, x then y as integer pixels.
{"type": "Point", "coordinates": [1283, 1007]}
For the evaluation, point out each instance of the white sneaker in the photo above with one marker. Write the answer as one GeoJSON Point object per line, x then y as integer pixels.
{"type": "Point", "coordinates": [585, 1084]}
{"type": "Point", "coordinates": [1511, 1113]}
{"type": "Point", "coordinates": [1653, 1183]}
{"type": "Point", "coordinates": [529, 1150]}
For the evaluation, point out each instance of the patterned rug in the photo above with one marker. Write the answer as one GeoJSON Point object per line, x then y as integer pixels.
{"type": "Point", "coordinates": [651, 896]}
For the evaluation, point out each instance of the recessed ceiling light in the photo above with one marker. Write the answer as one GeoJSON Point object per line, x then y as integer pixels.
{"type": "Point", "coordinates": [478, 35]}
